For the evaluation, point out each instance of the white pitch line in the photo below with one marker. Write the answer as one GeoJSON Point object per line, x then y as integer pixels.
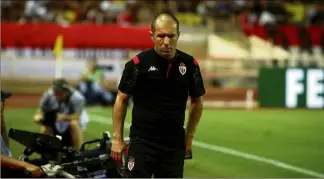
{"type": "Point", "coordinates": [229, 151]}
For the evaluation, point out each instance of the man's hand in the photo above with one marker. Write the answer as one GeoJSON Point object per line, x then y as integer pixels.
{"type": "Point", "coordinates": [38, 118]}
{"type": "Point", "coordinates": [188, 142]}
{"type": "Point", "coordinates": [34, 170]}
{"type": "Point", "coordinates": [118, 146]}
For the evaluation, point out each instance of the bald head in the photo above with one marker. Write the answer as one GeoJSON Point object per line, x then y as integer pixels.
{"type": "Point", "coordinates": [165, 34]}
{"type": "Point", "coordinates": [164, 19]}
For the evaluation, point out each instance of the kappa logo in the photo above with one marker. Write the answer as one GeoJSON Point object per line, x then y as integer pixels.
{"type": "Point", "coordinates": [131, 164]}
{"type": "Point", "coordinates": [152, 68]}
{"type": "Point", "coordinates": [182, 68]}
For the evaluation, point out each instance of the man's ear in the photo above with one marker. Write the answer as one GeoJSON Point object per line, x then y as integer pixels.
{"type": "Point", "coordinates": [178, 33]}
{"type": "Point", "coordinates": [151, 34]}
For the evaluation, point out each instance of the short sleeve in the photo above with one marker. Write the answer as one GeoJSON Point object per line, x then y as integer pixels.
{"type": "Point", "coordinates": [44, 100]}
{"type": "Point", "coordinates": [128, 79]}
{"type": "Point", "coordinates": [78, 105]}
{"type": "Point", "coordinates": [197, 87]}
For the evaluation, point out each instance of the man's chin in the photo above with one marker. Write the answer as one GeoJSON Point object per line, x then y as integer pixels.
{"type": "Point", "coordinates": [166, 54]}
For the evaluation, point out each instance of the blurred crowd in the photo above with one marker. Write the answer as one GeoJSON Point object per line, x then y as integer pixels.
{"type": "Point", "coordinates": [281, 12]}
{"type": "Point", "coordinates": [140, 12]}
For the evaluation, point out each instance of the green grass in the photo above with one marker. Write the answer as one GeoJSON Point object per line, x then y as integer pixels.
{"type": "Point", "coordinates": [294, 137]}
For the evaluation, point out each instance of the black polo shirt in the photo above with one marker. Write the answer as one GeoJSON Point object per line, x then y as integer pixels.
{"type": "Point", "coordinates": [160, 89]}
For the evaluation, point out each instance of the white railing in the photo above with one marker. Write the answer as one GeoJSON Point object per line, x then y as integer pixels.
{"type": "Point", "coordinates": [45, 67]}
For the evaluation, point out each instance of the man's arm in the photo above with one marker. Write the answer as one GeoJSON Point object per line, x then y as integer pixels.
{"type": "Point", "coordinates": [119, 114]}
{"type": "Point", "coordinates": [195, 113]}
{"type": "Point", "coordinates": [125, 90]}
{"type": "Point", "coordinates": [10, 162]}
{"type": "Point", "coordinates": [38, 116]}
{"type": "Point", "coordinates": [197, 90]}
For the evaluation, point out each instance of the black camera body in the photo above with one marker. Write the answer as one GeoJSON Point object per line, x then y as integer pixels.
{"type": "Point", "coordinates": [84, 163]}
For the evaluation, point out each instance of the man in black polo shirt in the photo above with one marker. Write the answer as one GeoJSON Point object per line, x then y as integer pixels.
{"type": "Point", "coordinates": [159, 80]}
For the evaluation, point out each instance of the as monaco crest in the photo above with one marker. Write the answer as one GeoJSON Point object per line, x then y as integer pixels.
{"type": "Point", "coordinates": [182, 68]}
{"type": "Point", "coordinates": [131, 164]}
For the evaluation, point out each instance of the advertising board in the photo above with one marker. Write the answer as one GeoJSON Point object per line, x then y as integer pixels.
{"type": "Point", "coordinates": [291, 88]}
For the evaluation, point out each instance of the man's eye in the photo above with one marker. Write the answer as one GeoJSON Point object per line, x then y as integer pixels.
{"type": "Point", "coordinates": [166, 35]}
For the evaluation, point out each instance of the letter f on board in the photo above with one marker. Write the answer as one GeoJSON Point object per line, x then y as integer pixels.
{"type": "Point", "coordinates": [294, 86]}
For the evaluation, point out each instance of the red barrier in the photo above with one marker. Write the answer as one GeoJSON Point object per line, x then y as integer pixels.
{"type": "Point", "coordinates": [290, 31]}
{"type": "Point", "coordinates": [114, 36]}
{"type": "Point", "coordinates": [75, 36]}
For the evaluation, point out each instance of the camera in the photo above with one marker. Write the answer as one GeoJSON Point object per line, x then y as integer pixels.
{"type": "Point", "coordinates": [59, 161]}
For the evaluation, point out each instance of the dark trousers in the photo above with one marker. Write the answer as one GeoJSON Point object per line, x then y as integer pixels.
{"type": "Point", "coordinates": [159, 158]}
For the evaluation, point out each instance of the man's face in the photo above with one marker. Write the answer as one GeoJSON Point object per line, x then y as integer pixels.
{"type": "Point", "coordinates": [165, 37]}
{"type": "Point", "coordinates": [60, 96]}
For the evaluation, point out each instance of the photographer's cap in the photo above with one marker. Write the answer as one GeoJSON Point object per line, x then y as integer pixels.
{"type": "Point", "coordinates": [5, 95]}
{"type": "Point", "coordinates": [60, 85]}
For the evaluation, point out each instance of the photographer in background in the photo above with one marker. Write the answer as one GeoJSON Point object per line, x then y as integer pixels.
{"type": "Point", "coordinates": [10, 167]}
{"type": "Point", "coordinates": [62, 112]}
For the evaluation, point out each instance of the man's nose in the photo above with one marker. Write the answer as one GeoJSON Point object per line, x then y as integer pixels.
{"type": "Point", "coordinates": [166, 41]}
